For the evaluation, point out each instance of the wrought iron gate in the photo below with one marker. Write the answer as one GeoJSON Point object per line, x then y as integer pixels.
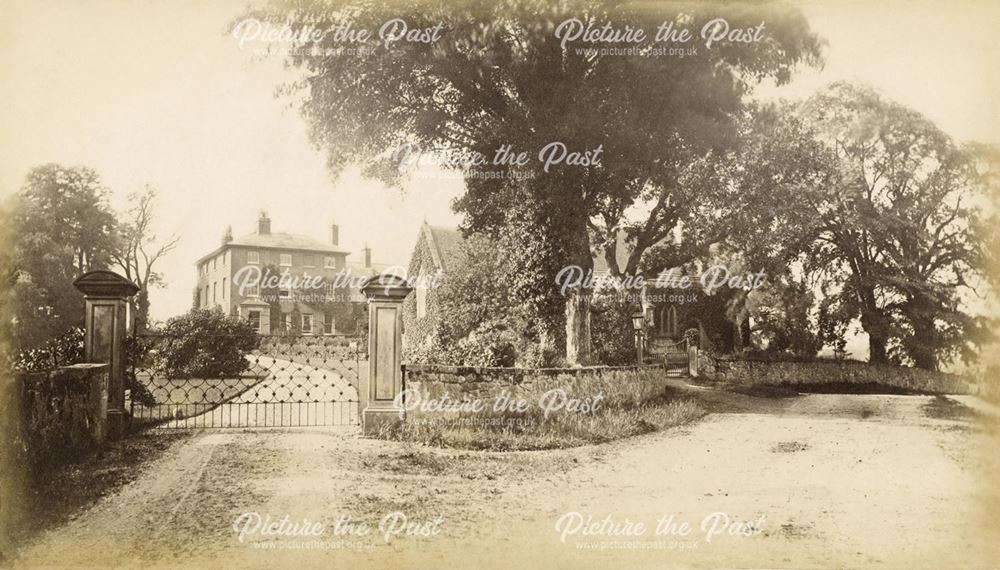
{"type": "Point", "coordinates": [197, 381]}
{"type": "Point", "coordinates": [676, 356]}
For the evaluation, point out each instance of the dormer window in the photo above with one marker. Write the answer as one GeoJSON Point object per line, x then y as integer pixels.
{"type": "Point", "coordinates": [253, 257]}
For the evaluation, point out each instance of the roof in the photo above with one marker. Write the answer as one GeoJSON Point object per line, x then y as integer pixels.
{"type": "Point", "coordinates": [279, 240]}
{"type": "Point", "coordinates": [444, 243]}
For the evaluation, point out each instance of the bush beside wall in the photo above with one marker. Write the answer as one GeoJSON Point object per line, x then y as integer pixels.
{"type": "Point", "coordinates": [755, 373]}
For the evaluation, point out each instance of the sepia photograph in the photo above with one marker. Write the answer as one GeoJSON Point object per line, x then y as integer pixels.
{"type": "Point", "coordinates": [421, 284]}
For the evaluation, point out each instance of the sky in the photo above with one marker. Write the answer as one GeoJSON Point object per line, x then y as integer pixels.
{"type": "Point", "coordinates": [156, 92]}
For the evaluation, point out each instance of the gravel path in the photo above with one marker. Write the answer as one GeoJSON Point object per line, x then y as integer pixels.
{"type": "Point", "coordinates": [840, 481]}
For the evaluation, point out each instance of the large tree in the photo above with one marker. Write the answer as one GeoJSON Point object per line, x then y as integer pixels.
{"type": "Point", "coordinates": [63, 227]}
{"type": "Point", "coordinates": [137, 250]}
{"type": "Point", "coordinates": [498, 75]}
{"type": "Point", "coordinates": [896, 228]}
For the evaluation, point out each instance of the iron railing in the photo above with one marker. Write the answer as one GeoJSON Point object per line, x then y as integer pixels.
{"type": "Point", "coordinates": [200, 381]}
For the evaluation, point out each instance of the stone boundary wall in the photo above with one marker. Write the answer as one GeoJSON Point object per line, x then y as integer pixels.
{"type": "Point", "coordinates": [756, 372]}
{"type": "Point", "coordinates": [616, 386]}
{"type": "Point", "coordinates": [57, 414]}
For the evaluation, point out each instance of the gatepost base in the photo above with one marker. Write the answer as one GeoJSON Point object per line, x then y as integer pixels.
{"type": "Point", "coordinates": [117, 424]}
{"type": "Point", "coordinates": [373, 419]}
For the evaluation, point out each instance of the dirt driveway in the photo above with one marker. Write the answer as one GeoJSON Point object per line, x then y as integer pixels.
{"type": "Point", "coordinates": [811, 481]}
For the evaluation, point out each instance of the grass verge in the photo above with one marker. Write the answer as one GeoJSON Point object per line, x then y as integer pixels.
{"type": "Point", "coordinates": [523, 432]}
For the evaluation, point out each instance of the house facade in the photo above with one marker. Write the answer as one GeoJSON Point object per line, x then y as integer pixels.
{"type": "Point", "coordinates": [285, 283]}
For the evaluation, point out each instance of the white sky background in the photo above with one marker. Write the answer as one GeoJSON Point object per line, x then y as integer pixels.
{"type": "Point", "coordinates": [155, 92]}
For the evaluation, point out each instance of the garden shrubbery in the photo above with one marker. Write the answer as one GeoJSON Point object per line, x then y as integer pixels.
{"type": "Point", "coordinates": [204, 343]}
{"type": "Point", "coordinates": [62, 350]}
{"type": "Point", "coordinates": [611, 333]}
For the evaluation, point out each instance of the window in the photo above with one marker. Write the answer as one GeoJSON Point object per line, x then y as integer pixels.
{"type": "Point", "coordinates": [253, 291]}
{"type": "Point", "coordinates": [330, 262]}
{"type": "Point", "coordinates": [288, 321]}
{"type": "Point", "coordinates": [308, 260]}
{"type": "Point", "coordinates": [214, 260]}
{"type": "Point", "coordinates": [285, 293]}
{"type": "Point", "coordinates": [668, 321]}
{"type": "Point", "coordinates": [254, 318]}
{"type": "Point", "coordinates": [307, 324]}
{"type": "Point", "coordinates": [421, 301]}
{"type": "Point", "coordinates": [206, 295]}
{"type": "Point", "coordinates": [285, 259]}
{"type": "Point", "coordinates": [328, 324]}
{"type": "Point", "coordinates": [253, 257]}
{"type": "Point", "coordinates": [223, 288]}
{"type": "Point", "coordinates": [215, 286]}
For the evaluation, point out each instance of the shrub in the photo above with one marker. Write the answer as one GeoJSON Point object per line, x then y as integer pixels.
{"type": "Point", "coordinates": [60, 351]}
{"type": "Point", "coordinates": [611, 333]}
{"type": "Point", "coordinates": [488, 345]}
{"type": "Point", "coordinates": [205, 343]}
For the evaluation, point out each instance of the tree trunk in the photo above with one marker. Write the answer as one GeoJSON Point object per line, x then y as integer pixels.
{"type": "Point", "coordinates": [578, 327]}
{"type": "Point", "coordinates": [741, 332]}
{"type": "Point", "coordinates": [141, 311]}
{"type": "Point", "coordinates": [878, 336]}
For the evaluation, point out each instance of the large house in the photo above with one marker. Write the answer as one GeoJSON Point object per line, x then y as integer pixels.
{"type": "Point", "coordinates": [285, 283]}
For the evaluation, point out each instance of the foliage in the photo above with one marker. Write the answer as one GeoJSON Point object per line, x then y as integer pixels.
{"type": "Point", "coordinates": [894, 224]}
{"type": "Point", "coordinates": [62, 350]}
{"type": "Point", "coordinates": [136, 348]}
{"type": "Point", "coordinates": [489, 345]}
{"type": "Point", "coordinates": [780, 311]}
{"type": "Point", "coordinates": [205, 343]}
{"type": "Point", "coordinates": [500, 76]}
{"type": "Point", "coordinates": [611, 328]}
{"type": "Point", "coordinates": [62, 227]}
{"type": "Point", "coordinates": [8, 277]}
{"type": "Point", "coordinates": [478, 318]}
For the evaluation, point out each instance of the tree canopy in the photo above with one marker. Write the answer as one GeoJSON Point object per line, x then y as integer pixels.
{"type": "Point", "coordinates": [895, 228]}
{"type": "Point", "coordinates": [63, 227]}
{"type": "Point", "coordinates": [498, 76]}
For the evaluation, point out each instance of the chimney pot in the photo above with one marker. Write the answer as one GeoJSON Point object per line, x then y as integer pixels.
{"type": "Point", "coordinates": [334, 234]}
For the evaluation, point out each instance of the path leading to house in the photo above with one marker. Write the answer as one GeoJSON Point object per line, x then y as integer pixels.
{"type": "Point", "coordinates": [841, 481]}
{"type": "Point", "coordinates": [292, 394]}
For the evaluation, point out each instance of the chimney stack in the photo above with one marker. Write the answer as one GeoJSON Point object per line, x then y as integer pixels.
{"type": "Point", "coordinates": [368, 255]}
{"type": "Point", "coordinates": [263, 224]}
{"type": "Point", "coordinates": [228, 236]}
{"type": "Point", "coordinates": [334, 234]}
